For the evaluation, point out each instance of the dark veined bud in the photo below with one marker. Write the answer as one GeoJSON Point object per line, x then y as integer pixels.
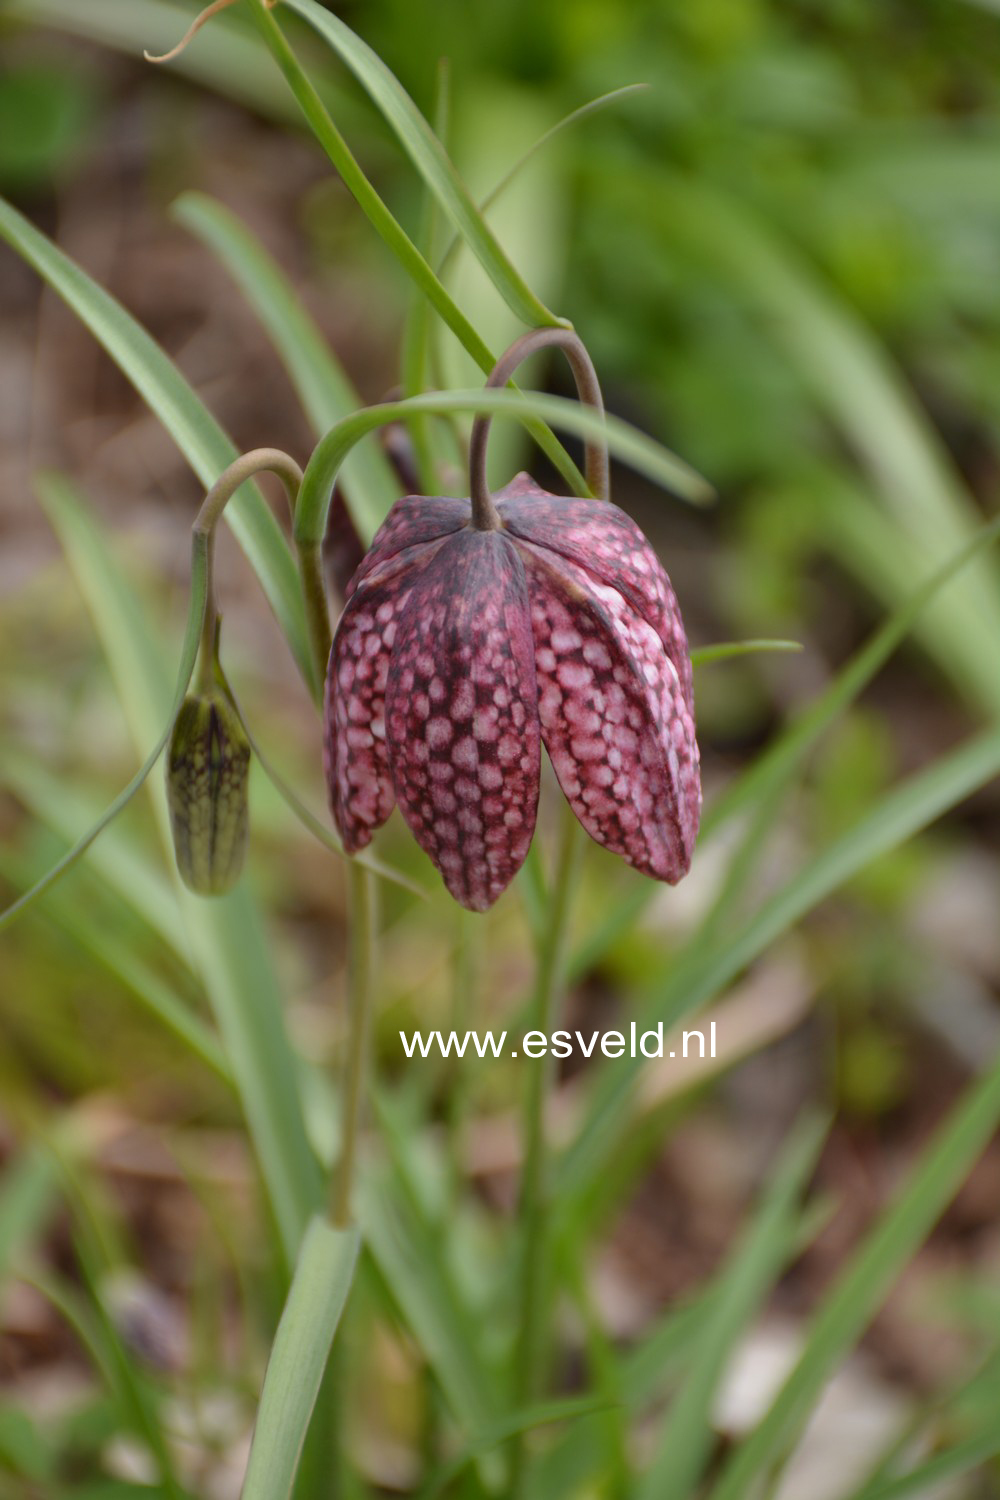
{"type": "Point", "coordinates": [208, 763]}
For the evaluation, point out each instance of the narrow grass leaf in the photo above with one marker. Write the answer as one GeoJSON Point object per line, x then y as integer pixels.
{"type": "Point", "coordinates": [200, 438]}
{"type": "Point", "coordinates": [592, 107]}
{"type": "Point", "coordinates": [322, 1280]}
{"type": "Point", "coordinates": [428, 156]}
{"type": "Point", "coordinates": [866, 1280]}
{"type": "Point", "coordinates": [102, 940]}
{"type": "Point", "coordinates": [703, 656]}
{"type": "Point", "coordinates": [320, 381]}
{"type": "Point", "coordinates": [755, 1263]}
{"type": "Point", "coordinates": [392, 233]}
{"type": "Point", "coordinates": [701, 974]}
{"type": "Point", "coordinates": [117, 860]}
{"type": "Point", "coordinates": [29, 1193]}
{"type": "Point", "coordinates": [407, 1254]}
{"type": "Point", "coordinates": [227, 933]}
{"type": "Point", "coordinates": [937, 1471]}
{"type": "Point", "coordinates": [546, 1414]}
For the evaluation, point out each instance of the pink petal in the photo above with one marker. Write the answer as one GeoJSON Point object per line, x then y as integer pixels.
{"type": "Point", "coordinates": [462, 715]}
{"type": "Point", "coordinates": [357, 764]}
{"type": "Point", "coordinates": [413, 522]}
{"type": "Point", "coordinates": [607, 543]}
{"type": "Point", "coordinates": [615, 718]}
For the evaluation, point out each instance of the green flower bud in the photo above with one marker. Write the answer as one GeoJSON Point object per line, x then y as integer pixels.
{"type": "Point", "coordinates": [208, 763]}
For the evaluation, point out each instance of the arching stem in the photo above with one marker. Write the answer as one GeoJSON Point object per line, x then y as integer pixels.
{"type": "Point", "coordinates": [258, 461]}
{"type": "Point", "coordinates": [484, 511]}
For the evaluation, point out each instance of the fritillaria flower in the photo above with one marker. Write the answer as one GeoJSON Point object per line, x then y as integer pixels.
{"type": "Point", "coordinates": [475, 632]}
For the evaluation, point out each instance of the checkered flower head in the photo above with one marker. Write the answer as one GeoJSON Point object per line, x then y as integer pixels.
{"type": "Point", "coordinates": [461, 651]}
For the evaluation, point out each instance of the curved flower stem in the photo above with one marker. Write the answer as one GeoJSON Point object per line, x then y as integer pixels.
{"type": "Point", "coordinates": [257, 461]}
{"type": "Point", "coordinates": [484, 511]}
{"type": "Point", "coordinates": [530, 1353]}
{"type": "Point", "coordinates": [316, 606]}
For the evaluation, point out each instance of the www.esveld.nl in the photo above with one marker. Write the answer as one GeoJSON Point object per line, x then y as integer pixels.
{"type": "Point", "coordinates": [560, 1044]}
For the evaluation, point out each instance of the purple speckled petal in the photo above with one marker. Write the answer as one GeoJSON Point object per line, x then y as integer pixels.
{"type": "Point", "coordinates": [614, 718]}
{"type": "Point", "coordinates": [413, 522]}
{"type": "Point", "coordinates": [462, 715]}
{"type": "Point", "coordinates": [607, 543]}
{"type": "Point", "coordinates": [354, 751]}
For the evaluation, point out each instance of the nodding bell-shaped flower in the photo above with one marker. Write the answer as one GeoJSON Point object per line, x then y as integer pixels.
{"type": "Point", "coordinates": [475, 632]}
{"type": "Point", "coordinates": [208, 764]}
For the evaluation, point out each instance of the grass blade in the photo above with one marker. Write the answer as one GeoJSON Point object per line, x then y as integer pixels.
{"type": "Point", "coordinates": [428, 156]}
{"type": "Point", "coordinates": [903, 812]}
{"type": "Point", "coordinates": [103, 942]}
{"type": "Point", "coordinates": [391, 231]}
{"type": "Point", "coordinates": [322, 385]}
{"type": "Point", "coordinates": [936, 1471]}
{"type": "Point", "coordinates": [703, 656]}
{"type": "Point", "coordinates": [227, 933]}
{"type": "Point", "coordinates": [863, 1285]}
{"type": "Point", "coordinates": [543, 1415]}
{"type": "Point", "coordinates": [196, 432]}
{"type": "Point", "coordinates": [117, 860]}
{"type": "Point", "coordinates": [604, 101]}
{"type": "Point", "coordinates": [322, 1280]}
{"type": "Point", "coordinates": [754, 1264]}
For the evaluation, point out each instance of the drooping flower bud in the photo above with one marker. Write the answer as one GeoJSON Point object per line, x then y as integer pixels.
{"type": "Point", "coordinates": [208, 763]}
{"type": "Point", "coordinates": [476, 632]}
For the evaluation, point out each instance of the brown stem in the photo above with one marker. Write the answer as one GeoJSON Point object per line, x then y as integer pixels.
{"type": "Point", "coordinates": [484, 511]}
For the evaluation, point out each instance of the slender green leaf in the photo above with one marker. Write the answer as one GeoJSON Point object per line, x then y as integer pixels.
{"type": "Point", "coordinates": [226, 933]}
{"type": "Point", "coordinates": [927, 1477]}
{"type": "Point", "coordinates": [391, 231]}
{"type": "Point", "coordinates": [864, 1283]}
{"type": "Point", "coordinates": [120, 862]}
{"type": "Point", "coordinates": [428, 156]}
{"type": "Point", "coordinates": [28, 1196]}
{"type": "Point", "coordinates": [626, 442]}
{"type": "Point", "coordinates": [193, 428]}
{"type": "Point", "coordinates": [603, 101]}
{"type": "Point", "coordinates": [407, 1254]}
{"type": "Point", "coordinates": [322, 385]}
{"type": "Point", "coordinates": [322, 1280]}
{"type": "Point", "coordinates": [703, 656]}
{"type": "Point", "coordinates": [52, 489]}
{"type": "Point", "coordinates": [417, 331]}
{"type": "Point", "coordinates": [102, 940]}
{"type": "Point", "coordinates": [749, 1274]}
{"type": "Point", "coordinates": [701, 974]}
{"type": "Point", "coordinates": [533, 1417]}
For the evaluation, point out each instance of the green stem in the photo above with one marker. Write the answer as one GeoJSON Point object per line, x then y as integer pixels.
{"type": "Point", "coordinates": [258, 461]}
{"type": "Point", "coordinates": [530, 1353]}
{"type": "Point", "coordinates": [361, 914]}
{"type": "Point", "coordinates": [316, 606]}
